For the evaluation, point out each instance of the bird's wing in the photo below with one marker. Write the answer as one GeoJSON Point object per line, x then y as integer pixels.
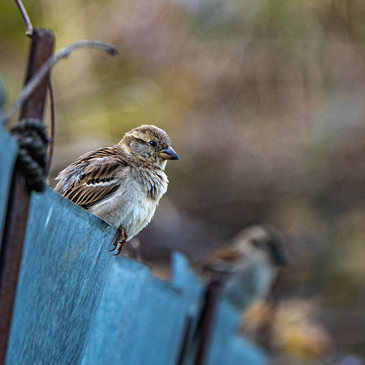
{"type": "Point", "coordinates": [92, 177]}
{"type": "Point", "coordinates": [223, 260]}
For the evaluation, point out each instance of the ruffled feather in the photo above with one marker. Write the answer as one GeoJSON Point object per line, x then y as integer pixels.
{"type": "Point", "coordinates": [92, 177]}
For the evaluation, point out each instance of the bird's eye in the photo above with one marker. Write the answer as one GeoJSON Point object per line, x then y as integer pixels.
{"type": "Point", "coordinates": [255, 242]}
{"type": "Point", "coordinates": [153, 143]}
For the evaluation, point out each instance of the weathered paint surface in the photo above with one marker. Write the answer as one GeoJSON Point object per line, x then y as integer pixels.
{"type": "Point", "coordinates": [140, 319]}
{"type": "Point", "coordinates": [76, 303]}
{"type": "Point", "coordinates": [64, 270]}
{"type": "Point", "coordinates": [227, 347]}
{"type": "Point", "coordinates": [8, 154]}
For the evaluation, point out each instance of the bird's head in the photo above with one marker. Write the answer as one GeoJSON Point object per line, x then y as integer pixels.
{"type": "Point", "coordinates": [148, 145]}
{"type": "Point", "coordinates": [262, 242]}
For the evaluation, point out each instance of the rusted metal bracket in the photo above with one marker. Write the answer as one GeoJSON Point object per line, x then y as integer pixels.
{"type": "Point", "coordinates": [185, 341]}
{"type": "Point", "coordinates": [42, 47]}
{"type": "Point", "coordinates": [207, 319]}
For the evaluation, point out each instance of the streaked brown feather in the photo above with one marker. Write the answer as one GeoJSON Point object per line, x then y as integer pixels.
{"type": "Point", "coordinates": [226, 253]}
{"type": "Point", "coordinates": [94, 176]}
{"type": "Point", "coordinates": [224, 256]}
{"type": "Point", "coordinates": [89, 195]}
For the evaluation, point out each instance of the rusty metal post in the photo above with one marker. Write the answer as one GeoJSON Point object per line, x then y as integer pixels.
{"type": "Point", "coordinates": [207, 319]}
{"type": "Point", "coordinates": [42, 46]}
{"type": "Point", "coordinates": [185, 341]}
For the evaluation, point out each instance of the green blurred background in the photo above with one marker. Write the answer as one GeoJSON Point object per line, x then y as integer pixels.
{"type": "Point", "coordinates": [264, 102]}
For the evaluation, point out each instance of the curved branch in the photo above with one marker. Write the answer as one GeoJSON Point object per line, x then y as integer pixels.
{"type": "Point", "coordinates": [25, 16]}
{"type": "Point", "coordinates": [46, 67]}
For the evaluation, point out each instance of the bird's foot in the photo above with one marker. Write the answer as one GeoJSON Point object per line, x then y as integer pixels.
{"type": "Point", "coordinates": [120, 248]}
{"type": "Point", "coordinates": [120, 240]}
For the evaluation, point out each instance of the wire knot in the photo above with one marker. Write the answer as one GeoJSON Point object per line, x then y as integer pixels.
{"type": "Point", "coordinates": [32, 139]}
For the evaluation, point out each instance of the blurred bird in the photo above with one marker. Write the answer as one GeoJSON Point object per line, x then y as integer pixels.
{"type": "Point", "coordinates": [249, 266]}
{"type": "Point", "coordinates": [121, 184]}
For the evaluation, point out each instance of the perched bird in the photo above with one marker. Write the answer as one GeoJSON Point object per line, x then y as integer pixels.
{"type": "Point", "coordinates": [249, 266]}
{"type": "Point", "coordinates": [121, 184]}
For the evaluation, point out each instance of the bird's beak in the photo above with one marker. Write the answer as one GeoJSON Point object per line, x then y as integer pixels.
{"type": "Point", "coordinates": [169, 154]}
{"type": "Point", "coordinates": [280, 258]}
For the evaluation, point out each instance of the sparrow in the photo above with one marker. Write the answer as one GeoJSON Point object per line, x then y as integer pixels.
{"type": "Point", "coordinates": [121, 184]}
{"type": "Point", "coordinates": [249, 266]}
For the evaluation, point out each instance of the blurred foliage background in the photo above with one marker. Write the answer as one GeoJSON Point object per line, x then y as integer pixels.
{"type": "Point", "coordinates": [264, 103]}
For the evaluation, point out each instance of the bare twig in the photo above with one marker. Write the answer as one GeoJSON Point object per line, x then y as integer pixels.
{"type": "Point", "coordinates": [44, 69]}
{"type": "Point", "coordinates": [53, 132]}
{"type": "Point", "coordinates": [23, 12]}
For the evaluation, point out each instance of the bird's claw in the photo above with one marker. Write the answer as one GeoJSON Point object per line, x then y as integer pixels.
{"type": "Point", "coordinates": [121, 245]}
{"type": "Point", "coordinates": [121, 240]}
{"type": "Point", "coordinates": [115, 243]}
